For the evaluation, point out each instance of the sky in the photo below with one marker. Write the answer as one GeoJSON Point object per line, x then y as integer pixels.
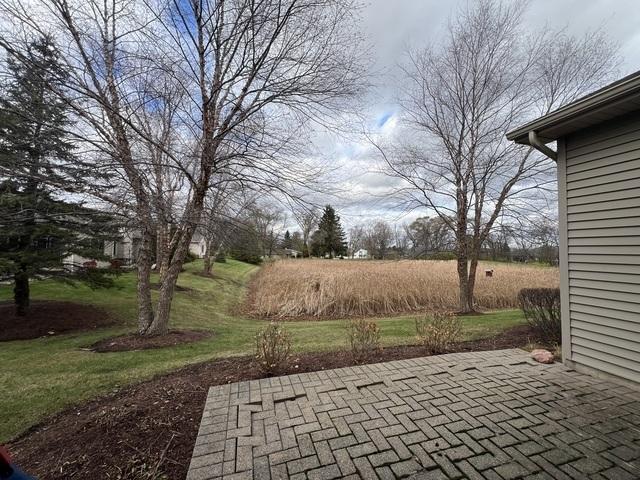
{"type": "Point", "coordinates": [390, 25]}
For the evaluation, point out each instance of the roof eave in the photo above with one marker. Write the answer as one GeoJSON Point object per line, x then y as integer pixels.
{"type": "Point", "coordinates": [594, 102]}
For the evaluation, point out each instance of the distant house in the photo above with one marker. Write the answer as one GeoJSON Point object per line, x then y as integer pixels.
{"type": "Point", "coordinates": [598, 158]}
{"type": "Point", "coordinates": [290, 253]}
{"type": "Point", "coordinates": [75, 262]}
{"type": "Point", "coordinates": [198, 245]}
{"type": "Point", "coordinates": [125, 248]}
{"type": "Point", "coordinates": [361, 254]}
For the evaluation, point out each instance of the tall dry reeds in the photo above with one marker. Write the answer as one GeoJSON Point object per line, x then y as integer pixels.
{"type": "Point", "coordinates": [343, 288]}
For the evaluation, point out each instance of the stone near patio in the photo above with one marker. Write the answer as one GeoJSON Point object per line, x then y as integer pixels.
{"type": "Point", "coordinates": [542, 356]}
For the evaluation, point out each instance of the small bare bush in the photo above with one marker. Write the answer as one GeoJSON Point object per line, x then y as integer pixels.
{"type": "Point", "coordinates": [364, 337]}
{"type": "Point", "coordinates": [541, 307]}
{"type": "Point", "coordinates": [273, 348]}
{"type": "Point", "coordinates": [438, 331]}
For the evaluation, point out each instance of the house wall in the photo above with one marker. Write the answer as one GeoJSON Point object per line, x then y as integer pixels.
{"type": "Point", "coordinates": [125, 248]}
{"type": "Point", "coordinates": [198, 248]}
{"type": "Point", "coordinates": [75, 261]}
{"type": "Point", "coordinates": [599, 208]}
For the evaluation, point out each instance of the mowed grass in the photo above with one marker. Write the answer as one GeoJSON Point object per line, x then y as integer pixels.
{"type": "Point", "coordinates": [340, 288]}
{"type": "Point", "coordinates": [43, 376]}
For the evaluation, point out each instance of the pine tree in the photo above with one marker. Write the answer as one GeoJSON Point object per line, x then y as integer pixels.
{"type": "Point", "coordinates": [286, 240]}
{"type": "Point", "coordinates": [330, 236]}
{"type": "Point", "coordinates": [39, 224]}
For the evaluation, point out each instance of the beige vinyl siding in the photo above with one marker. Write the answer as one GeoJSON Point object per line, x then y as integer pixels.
{"type": "Point", "coordinates": [600, 169]}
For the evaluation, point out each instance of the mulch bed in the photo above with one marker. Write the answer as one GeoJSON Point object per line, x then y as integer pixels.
{"type": "Point", "coordinates": [151, 427]}
{"type": "Point", "coordinates": [125, 343]}
{"type": "Point", "coordinates": [47, 318]}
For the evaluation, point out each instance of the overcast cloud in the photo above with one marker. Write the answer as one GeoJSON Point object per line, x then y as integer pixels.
{"type": "Point", "coordinates": [390, 25]}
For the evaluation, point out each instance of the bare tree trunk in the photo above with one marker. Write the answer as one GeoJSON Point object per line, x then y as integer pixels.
{"type": "Point", "coordinates": [160, 323]}
{"type": "Point", "coordinates": [466, 292]}
{"type": "Point", "coordinates": [21, 292]}
{"type": "Point", "coordinates": [145, 308]}
{"type": "Point", "coordinates": [207, 259]}
{"type": "Point", "coordinates": [471, 284]}
{"type": "Point", "coordinates": [179, 248]}
{"type": "Point", "coordinates": [162, 257]}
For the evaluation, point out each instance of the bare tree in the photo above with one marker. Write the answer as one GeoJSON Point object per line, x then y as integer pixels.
{"type": "Point", "coordinates": [545, 236]}
{"type": "Point", "coordinates": [223, 207]}
{"type": "Point", "coordinates": [307, 219]}
{"type": "Point", "coordinates": [400, 241]}
{"type": "Point", "coordinates": [357, 237]}
{"type": "Point", "coordinates": [428, 236]}
{"type": "Point", "coordinates": [269, 223]}
{"type": "Point", "coordinates": [488, 76]}
{"type": "Point", "coordinates": [158, 120]}
{"type": "Point", "coordinates": [497, 242]}
{"type": "Point", "coordinates": [251, 76]}
{"type": "Point", "coordinates": [378, 239]}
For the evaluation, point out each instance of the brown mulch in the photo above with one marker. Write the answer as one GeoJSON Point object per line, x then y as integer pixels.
{"type": "Point", "coordinates": [152, 426]}
{"type": "Point", "coordinates": [46, 318]}
{"type": "Point", "coordinates": [132, 341]}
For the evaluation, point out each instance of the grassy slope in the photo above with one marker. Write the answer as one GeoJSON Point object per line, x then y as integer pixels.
{"type": "Point", "coordinates": [42, 376]}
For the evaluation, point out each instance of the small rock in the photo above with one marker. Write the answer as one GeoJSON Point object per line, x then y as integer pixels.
{"type": "Point", "coordinates": [542, 356]}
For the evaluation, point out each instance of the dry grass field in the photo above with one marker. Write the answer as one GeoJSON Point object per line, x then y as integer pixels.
{"type": "Point", "coordinates": [342, 288]}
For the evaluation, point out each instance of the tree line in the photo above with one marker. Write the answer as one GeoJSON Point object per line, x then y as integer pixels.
{"type": "Point", "coordinates": [179, 111]}
{"type": "Point", "coordinates": [171, 118]}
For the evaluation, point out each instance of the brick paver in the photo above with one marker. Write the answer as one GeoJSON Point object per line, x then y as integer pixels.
{"type": "Point", "coordinates": [485, 415]}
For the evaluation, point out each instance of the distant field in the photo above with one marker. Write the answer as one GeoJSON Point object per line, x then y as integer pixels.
{"type": "Point", "coordinates": [340, 288]}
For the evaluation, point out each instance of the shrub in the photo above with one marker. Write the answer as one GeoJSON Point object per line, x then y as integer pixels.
{"type": "Point", "coordinates": [273, 347]}
{"type": "Point", "coordinates": [221, 258]}
{"type": "Point", "coordinates": [115, 264]}
{"type": "Point", "coordinates": [190, 257]}
{"type": "Point", "coordinates": [442, 256]}
{"type": "Point", "coordinates": [541, 307]}
{"type": "Point", "coordinates": [438, 331]}
{"type": "Point", "coordinates": [364, 337]}
{"type": "Point", "coordinates": [246, 256]}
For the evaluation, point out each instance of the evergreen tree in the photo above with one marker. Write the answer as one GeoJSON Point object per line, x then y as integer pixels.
{"type": "Point", "coordinates": [330, 236]}
{"type": "Point", "coordinates": [244, 245]}
{"type": "Point", "coordinates": [39, 225]}
{"type": "Point", "coordinates": [286, 240]}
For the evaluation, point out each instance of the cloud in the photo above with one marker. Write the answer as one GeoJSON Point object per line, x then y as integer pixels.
{"type": "Point", "coordinates": [393, 25]}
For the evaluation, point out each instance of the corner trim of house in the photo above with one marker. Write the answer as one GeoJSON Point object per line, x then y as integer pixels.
{"type": "Point", "coordinates": [594, 372]}
{"type": "Point", "coordinates": [565, 311]}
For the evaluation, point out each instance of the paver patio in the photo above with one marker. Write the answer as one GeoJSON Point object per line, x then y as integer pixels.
{"type": "Point", "coordinates": [486, 415]}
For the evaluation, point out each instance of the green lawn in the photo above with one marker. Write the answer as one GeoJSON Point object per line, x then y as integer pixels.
{"type": "Point", "coordinates": [42, 376]}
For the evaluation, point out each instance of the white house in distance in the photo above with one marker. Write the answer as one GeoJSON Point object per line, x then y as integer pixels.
{"type": "Point", "coordinates": [291, 253]}
{"type": "Point", "coordinates": [198, 245]}
{"type": "Point", "coordinates": [124, 248]}
{"type": "Point", "coordinates": [360, 254]}
{"type": "Point", "coordinates": [598, 157]}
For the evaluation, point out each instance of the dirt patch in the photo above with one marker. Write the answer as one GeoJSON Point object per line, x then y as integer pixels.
{"type": "Point", "coordinates": [126, 343]}
{"type": "Point", "coordinates": [152, 426]}
{"type": "Point", "coordinates": [47, 318]}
